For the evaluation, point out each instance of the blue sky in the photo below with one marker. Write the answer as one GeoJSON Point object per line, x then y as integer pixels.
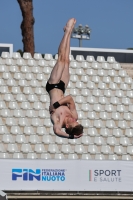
{"type": "Point", "coordinates": [110, 21]}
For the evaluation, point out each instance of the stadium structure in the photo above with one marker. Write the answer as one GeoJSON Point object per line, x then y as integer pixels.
{"type": "Point", "coordinates": [37, 164]}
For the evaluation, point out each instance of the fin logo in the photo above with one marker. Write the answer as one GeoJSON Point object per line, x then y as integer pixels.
{"type": "Point", "coordinates": [26, 174]}
{"type": "Point", "coordinates": [38, 174]}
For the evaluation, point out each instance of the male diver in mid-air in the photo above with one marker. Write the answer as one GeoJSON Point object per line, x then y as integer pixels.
{"type": "Point", "coordinates": [62, 109]}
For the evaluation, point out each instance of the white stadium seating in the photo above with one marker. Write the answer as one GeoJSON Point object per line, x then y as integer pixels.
{"type": "Point", "coordinates": [103, 94]}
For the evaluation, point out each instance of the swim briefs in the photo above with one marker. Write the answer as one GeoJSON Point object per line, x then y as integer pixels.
{"type": "Point", "coordinates": [60, 86]}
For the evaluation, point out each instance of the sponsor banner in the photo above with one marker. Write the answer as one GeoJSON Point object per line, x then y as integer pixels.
{"type": "Point", "coordinates": [66, 175]}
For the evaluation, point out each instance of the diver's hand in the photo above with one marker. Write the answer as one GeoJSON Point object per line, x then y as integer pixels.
{"type": "Point", "coordinates": [51, 108]}
{"type": "Point", "coordinates": [78, 136]}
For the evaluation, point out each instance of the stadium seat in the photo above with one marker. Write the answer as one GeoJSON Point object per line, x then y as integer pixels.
{"type": "Point", "coordinates": [105, 132]}
{"type": "Point", "coordinates": [102, 72]}
{"type": "Point", "coordinates": [119, 93]}
{"type": "Point", "coordinates": [28, 130]}
{"type": "Point", "coordinates": [16, 90]}
{"type": "Point", "coordinates": [95, 65]}
{"type": "Point", "coordinates": [92, 100]}
{"type": "Point", "coordinates": [20, 62]}
{"type": "Point", "coordinates": [4, 89]}
{"type": "Point", "coordinates": [79, 58]}
{"type": "Point", "coordinates": [129, 132]}
{"type": "Point", "coordinates": [33, 139]}
{"type": "Point", "coordinates": [85, 78]}
{"type": "Point", "coordinates": [129, 94]}
{"type": "Point", "coordinates": [10, 121]}
{"type": "Point", "coordinates": [18, 113]}
{"type": "Point", "coordinates": [108, 93]}
{"type": "Point", "coordinates": [6, 113]}
{"type": "Point", "coordinates": [99, 157]}
{"type": "Point", "coordinates": [18, 155]}
{"type": "Point", "coordinates": [119, 150]}
{"type": "Point", "coordinates": [96, 92]}
{"type": "Point", "coordinates": [21, 139]}
{"type": "Point", "coordinates": [53, 148]}
{"type": "Point", "coordinates": [86, 156]}
{"type": "Point", "coordinates": [126, 101]}
{"type": "Point", "coordinates": [86, 123]}
{"type": "Point", "coordinates": [103, 100]}
{"type": "Point", "coordinates": [79, 149]}
{"type": "Point", "coordinates": [20, 97]}
{"type": "Point", "coordinates": [4, 155]}
{"type": "Point", "coordinates": [5, 55]}
{"type": "Point", "coordinates": [114, 100]}
{"type": "Point", "coordinates": [45, 156]}
{"type": "Point", "coordinates": [27, 55]}
{"type": "Point", "coordinates": [72, 156]}
{"type": "Point", "coordinates": [71, 57]}
{"type": "Point", "coordinates": [3, 68]}
{"type": "Point", "coordinates": [12, 147]}
{"type": "Point", "coordinates": [110, 124]}
{"type": "Point", "coordinates": [112, 141]}
{"type": "Point", "coordinates": [59, 156]}
{"type": "Point", "coordinates": [80, 99]}
{"type": "Point", "coordinates": [124, 141]}
{"type": "Point", "coordinates": [37, 56]}
{"type": "Point", "coordinates": [121, 108]}
{"type": "Point", "coordinates": [66, 149]}
{"type": "Point", "coordinates": [26, 147]}
{"type": "Point", "coordinates": [100, 59]}
{"type": "Point", "coordinates": [75, 92]}
{"type": "Point", "coordinates": [16, 130]}
{"type": "Point", "coordinates": [113, 157]}
{"type": "Point", "coordinates": [25, 105]}
{"type": "Point", "coordinates": [79, 71]}
{"type": "Point", "coordinates": [74, 78]}
{"type": "Point", "coordinates": [97, 107]}
{"type": "Point", "coordinates": [2, 105]}
{"type": "Point", "coordinates": [32, 155]}
{"type": "Point", "coordinates": [92, 115]}
{"type": "Point", "coordinates": [105, 65]}
{"type": "Point", "coordinates": [98, 140]}
{"type": "Point", "coordinates": [124, 86]}
{"type": "Point", "coordinates": [86, 140]}
{"type": "Point", "coordinates": [18, 76]}
{"type": "Point", "coordinates": [85, 65]}
{"type": "Point", "coordinates": [130, 149]}
{"type": "Point", "coordinates": [106, 149]}
{"type": "Point", "coordinates": [16, 55]}
{"type": "Point", "coordinates": [110, 59]}
{"type": "Point", "coordinates": [8, 97]}
{"type": "Point", "coordinates": [104, 115]}
{"type": "Point", "coordinates": [39, 148]}
{"type": "Point", "coordinates": [116, 66]}
{"type": "Point", "coordinates": [60, 140]}
{"type": "Point", "coordinates": [90, 58]}
{"type": "Point", "coordinates": [116, 116]}
{"type": "Point", "coordinates": [90, 72]}
{"type": "Point", "coordinates": [122, 124]}
{"type": "Point", "coordinates": [48, 57]}
{"type": "Point", "coordinates": [92, 131]}
{"type": "Point", "coordinates": [80, 85]}
{"type": "Point", "coordinates": [47, 139]}
{"type": "Point", "coordinates": [113, 86]}
{"type": "Point", "coordinates": [101, 85]}
{"type": "Point", "coordinates": [117, 79]}
{"type": "Point", "coordinates": [36, 122]}
{"type": "Point", "coordinates": [7, 138]}
{"type": "Point", "coordinates": [106, 79]}
{"type": "Point", "coordinates": [93, 149]}
{"type": "Point", "coordinates": [81, 114]}
{"type": "Point", "coordinates": [41, 130]}
{"type": "Point", "coordinates": [122, 73]}
{"type": "Point", "coordinates": [86, 107]}
{"type": "Point", "coordinates": [128, 80]}
{"type": "Point", "coordinates": [126, 157]}
{"type": "Point", "coordinates": [128, 116]}
{"type": "Point", "coordinates": [95, 79]}
{"type": "Point", "coordinates": [117, 132]}
{"type": "Point", "coordinates": [3, 130]}
{"type": "Point", "coordinates": [2, 148]}
{"type": "Point", "coordinates": [23, 121]}
{"type": "Point", "coordinates": [2, 82]}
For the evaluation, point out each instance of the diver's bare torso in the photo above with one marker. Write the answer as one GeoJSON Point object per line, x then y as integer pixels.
{"type": "Point", "coordinates": [58, 116]}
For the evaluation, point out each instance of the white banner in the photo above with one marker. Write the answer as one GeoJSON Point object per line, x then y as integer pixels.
{"type": "Point", "coordinates": [66, 175]}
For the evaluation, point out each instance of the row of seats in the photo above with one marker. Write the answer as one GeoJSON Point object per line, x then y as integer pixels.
{"type": "Point", "coordinates": [31, 113]}
{"type": "Point", "coordinates": [91, 131]}
{"type": "Point", "coordinates": [38, 56]}
{"type": "Point", "coordinates": [48, 139]}
{"type": "Point", "coordinates": [97, 123]}
{"type": "Point", "coordinates": [7, 73]}
{"type": "Point", "coordinates": [60, 156]}
{"type": "Point", "coordinates": [66, 148]}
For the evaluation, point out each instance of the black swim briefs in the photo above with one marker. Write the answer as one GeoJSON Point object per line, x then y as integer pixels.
{"type": "Point", "coordinates": [60, 86]}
